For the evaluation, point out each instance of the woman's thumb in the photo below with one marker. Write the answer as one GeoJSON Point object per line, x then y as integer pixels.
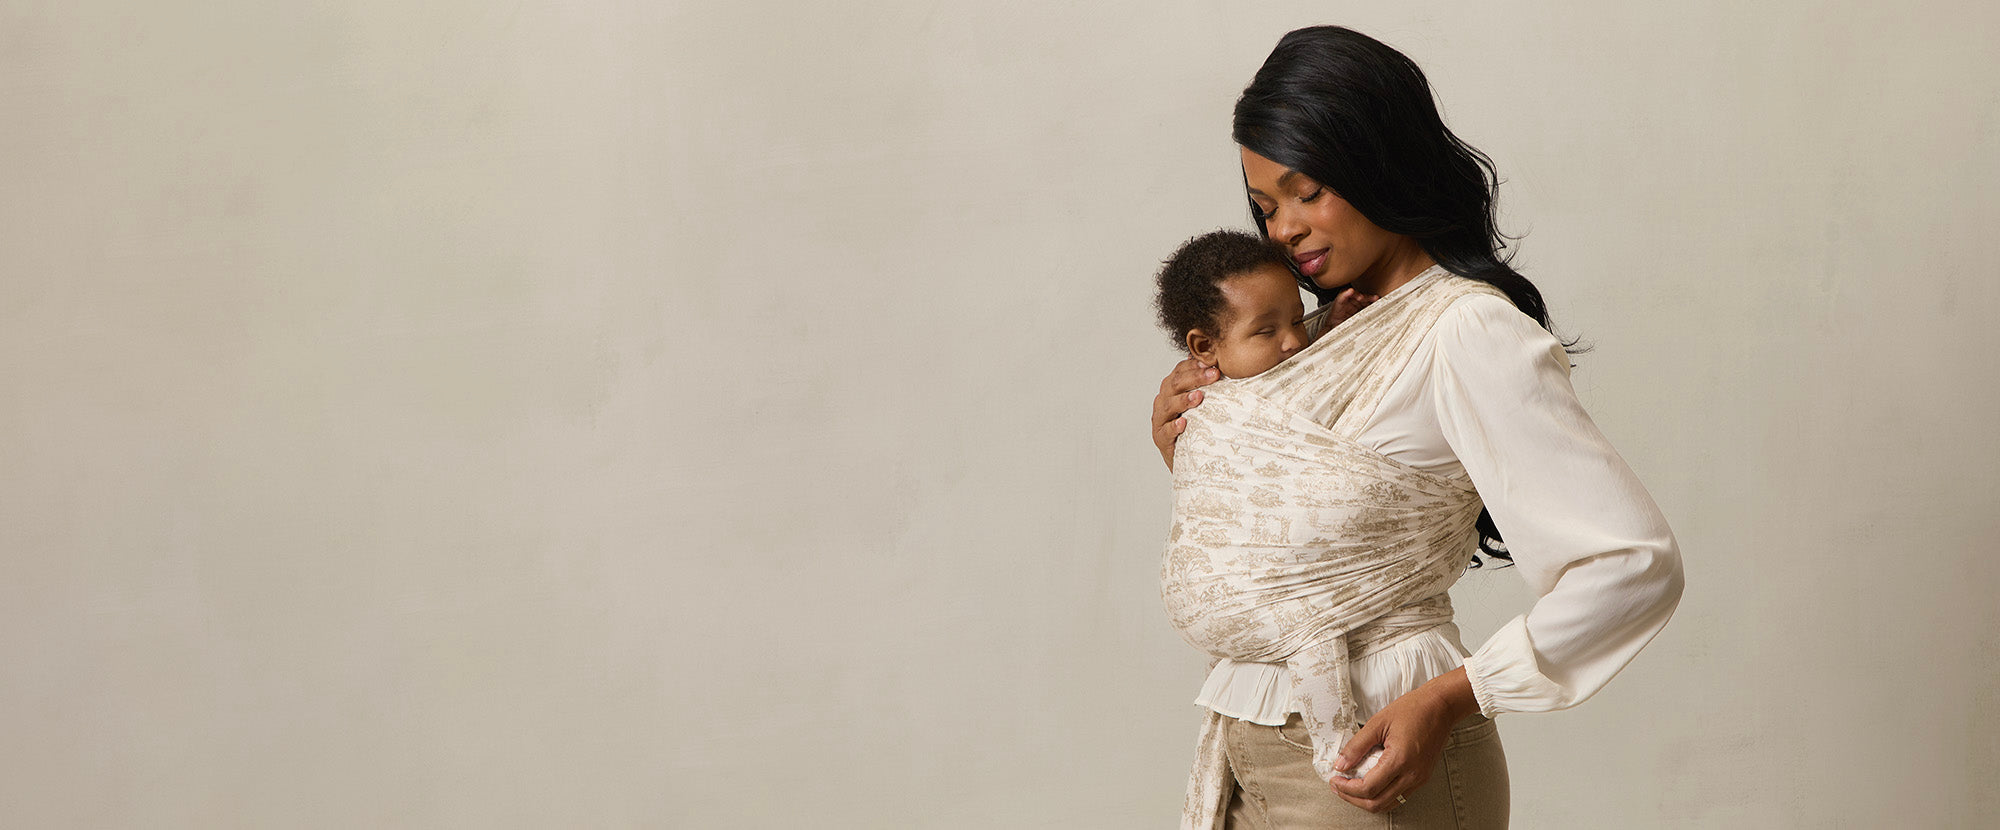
{"type": "Point", "coordinates": [1359, 746]}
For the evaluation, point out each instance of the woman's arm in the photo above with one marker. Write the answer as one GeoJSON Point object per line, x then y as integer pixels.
{"type": "Point", "coordinates": [1580, 526]}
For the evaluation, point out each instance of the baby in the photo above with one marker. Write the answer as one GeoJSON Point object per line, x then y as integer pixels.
{"type": "Point", "coordinates": [1230, 299]}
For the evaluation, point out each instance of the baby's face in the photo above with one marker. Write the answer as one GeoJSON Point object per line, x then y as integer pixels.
{"type": "Point", "coordinates": [1264, 324]}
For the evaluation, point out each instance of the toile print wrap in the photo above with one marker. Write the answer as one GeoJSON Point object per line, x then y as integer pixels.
{"type": "Point", "coordinates": [1293, 543]}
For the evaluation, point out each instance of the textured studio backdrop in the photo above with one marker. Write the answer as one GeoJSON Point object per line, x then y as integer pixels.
{"type": "Point", "coordinates": [733, 415]}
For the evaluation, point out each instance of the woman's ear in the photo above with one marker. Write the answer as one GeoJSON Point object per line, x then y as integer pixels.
{"type": "Point", "coordinates": [1200, 346]}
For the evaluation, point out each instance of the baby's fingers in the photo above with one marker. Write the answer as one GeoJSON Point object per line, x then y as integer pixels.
{"type": "Point", "coordinates": [1350, 301]}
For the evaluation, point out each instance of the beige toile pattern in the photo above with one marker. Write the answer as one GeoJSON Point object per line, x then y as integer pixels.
{"type": "Point", "coordinates": [1294, 543]}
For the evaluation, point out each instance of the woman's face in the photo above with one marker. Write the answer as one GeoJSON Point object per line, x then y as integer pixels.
{"type": "Point", "coordinates": [1332, 243]}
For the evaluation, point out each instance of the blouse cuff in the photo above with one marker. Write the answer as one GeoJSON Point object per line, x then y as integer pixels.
{"type": "Point", "coordinates": [1506, 676]}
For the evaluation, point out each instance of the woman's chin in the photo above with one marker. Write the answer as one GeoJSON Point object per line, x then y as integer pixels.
{"type": "Point", "coordinates": [1329, 278]}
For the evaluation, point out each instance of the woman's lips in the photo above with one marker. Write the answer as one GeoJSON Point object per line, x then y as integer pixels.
{"type": "Point", "coordinates": [1311, 262]}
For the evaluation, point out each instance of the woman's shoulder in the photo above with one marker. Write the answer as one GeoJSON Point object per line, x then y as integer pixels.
{"type": "Point", "coordinates": [1483, 331]}
{"type": "Point", "coordinates": [1458, 288]}
{"type": "Point", "coordinates": [1482, 302]}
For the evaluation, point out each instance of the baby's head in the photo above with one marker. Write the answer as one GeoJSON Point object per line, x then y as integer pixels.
{"type": "Point", "coordinates": [1230, 299]}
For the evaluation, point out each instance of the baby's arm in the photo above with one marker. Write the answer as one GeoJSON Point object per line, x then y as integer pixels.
{"type": "Point", "coordinates": [1345, 304]}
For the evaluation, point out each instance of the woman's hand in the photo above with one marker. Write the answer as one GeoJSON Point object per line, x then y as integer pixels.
{"type": "Point", "coordinates": [1412, 731]}
{"type": "Point", "coordinates": [1178, 394]}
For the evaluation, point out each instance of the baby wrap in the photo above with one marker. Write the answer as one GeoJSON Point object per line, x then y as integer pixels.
{"type": "Point", "coordinates": [1294, 543]}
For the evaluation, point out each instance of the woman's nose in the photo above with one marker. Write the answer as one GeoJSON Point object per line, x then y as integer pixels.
{"type": "Point", "coordinates": [1283, 229]}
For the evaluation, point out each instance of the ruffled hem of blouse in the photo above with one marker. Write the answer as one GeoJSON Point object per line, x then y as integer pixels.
{"type": "Point", "coordinates": [1262, 692]}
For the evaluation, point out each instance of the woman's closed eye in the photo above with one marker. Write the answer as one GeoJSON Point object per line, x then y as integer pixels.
{"type": "Point", "coordinates": [1265, 214]}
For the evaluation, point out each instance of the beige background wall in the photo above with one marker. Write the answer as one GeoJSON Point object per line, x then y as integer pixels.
{"type": "Point", "coordinates": [703, 415]}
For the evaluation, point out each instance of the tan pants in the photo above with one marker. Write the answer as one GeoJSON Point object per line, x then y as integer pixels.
{"type": "Point", "coordinates": [1276, 788]}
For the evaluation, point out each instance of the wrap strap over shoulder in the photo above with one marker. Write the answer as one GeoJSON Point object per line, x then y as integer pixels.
{"type": "Point", "coordinates": [1294, 543]}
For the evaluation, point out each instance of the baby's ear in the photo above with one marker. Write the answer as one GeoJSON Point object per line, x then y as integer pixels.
{"type": "Point", "coordinates": [1200, 346]}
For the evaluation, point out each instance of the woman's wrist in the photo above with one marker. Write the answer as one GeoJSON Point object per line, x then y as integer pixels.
{"type": "Point", "coordinates": [1453, 692]}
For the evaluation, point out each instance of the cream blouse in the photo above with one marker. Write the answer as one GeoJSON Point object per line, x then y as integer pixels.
{"type": "Point", "coordinates": [1488, 393]}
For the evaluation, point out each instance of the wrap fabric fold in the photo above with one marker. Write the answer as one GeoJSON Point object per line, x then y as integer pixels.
{"type": "Point", "coordinates": [1294, 543]}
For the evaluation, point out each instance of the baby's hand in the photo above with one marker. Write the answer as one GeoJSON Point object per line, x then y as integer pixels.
{"type": "Point", "coordinates": [1346, 303]}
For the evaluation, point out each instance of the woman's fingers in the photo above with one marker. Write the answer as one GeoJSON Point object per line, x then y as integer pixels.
{"type": "Point", "coordinates": [1385, 797]}
{"type": "Point", "coordinates": [1188, 375]}
{"type": "Point", "coordinates": [1167, 409]}
{"type": "Point", "coordinates": [1179, 392]}
{"type": "Point", "coordinates": [1167, 406]}
{"type": "Point", "coordinates": [1165, 436]}
{"type": "Point", "coordinates": [1365, 740]}
{"type": "Point", "coordinates": [1376, 784]}
{"type": "Point", "coordinates": [1395, 772]}
{"type": "Point", "coordinates": [1378, 790]}
{"type": "Point", "coordinates": [1168, 432]}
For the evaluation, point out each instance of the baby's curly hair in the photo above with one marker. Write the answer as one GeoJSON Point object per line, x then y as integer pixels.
{"type": "Point", "coordinates": [1190, 281]}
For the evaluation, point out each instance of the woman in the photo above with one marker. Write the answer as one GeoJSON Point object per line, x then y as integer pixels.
{"type": "Point", "coordinates": [1347, 164]}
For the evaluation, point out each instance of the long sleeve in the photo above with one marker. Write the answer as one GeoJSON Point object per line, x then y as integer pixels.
{"type": "Point", "coordinates": [1582, 530]}
{"type": "Point", "coordinates": [1488, 394]}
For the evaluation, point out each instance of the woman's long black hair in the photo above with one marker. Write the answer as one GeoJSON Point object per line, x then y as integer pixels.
{"type": "Point", "coordinates": [1357, 116]}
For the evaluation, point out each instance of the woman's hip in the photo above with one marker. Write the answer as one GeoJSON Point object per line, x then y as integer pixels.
{"type": "Point", "coordinates": [1277, 789]}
